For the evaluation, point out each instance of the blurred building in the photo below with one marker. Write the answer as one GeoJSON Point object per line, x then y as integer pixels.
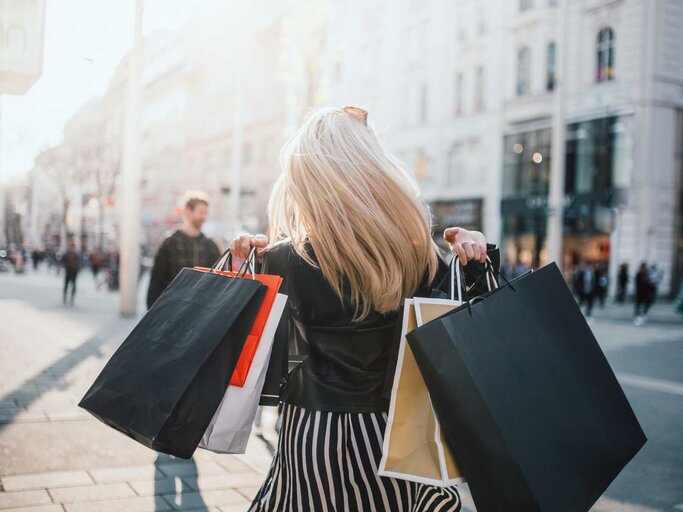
{"type": "Point", "coordinates": [217, 105]}
{"type": "Point", "coordinates": [463, 92]}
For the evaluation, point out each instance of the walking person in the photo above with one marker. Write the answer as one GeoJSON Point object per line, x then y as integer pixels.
{"type": "Point", "coordinates": [644, 291]}
{"type": "Point", "coordinates": [71, 260]}
{"type": "Point", "coordinates": [96, 266]}
{"type": "Point", "coordinates": [349, 235]}
{"type": "Point", "coordinates": [585, 286]}
{"type": "Point", "coordinates": [186, 246]}
{"type": "Point", "coordinates": [601, 283]}
{"type": "Point", "coordinates": [622, 283]}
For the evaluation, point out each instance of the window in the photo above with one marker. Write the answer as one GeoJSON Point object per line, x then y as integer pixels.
{"type": "Point", "coordinates": [457, 106]}
{"type": "Point", "coordinates": [465, 163]}
{"type": "Point", "coordinates": [246, 153]}
{"type": "Point", "coordinates": [523, 70]}
{"type": "Point", "coordinates": [599, 155]}
{"type": "Point", "coordinates": [526, 164]}
{"type": "Point", "coordinates": [525, 5]}
{"type": "Point", "coordinates": [479, 90]}
{"type": "Point", "coordinates": [423, 103]}
{"type": "Point", "coordinates": [605, 55]}
{"type": "Point", "coordinates": [421, 165]}
{"type": "Point", "coordinates": [550, 68]}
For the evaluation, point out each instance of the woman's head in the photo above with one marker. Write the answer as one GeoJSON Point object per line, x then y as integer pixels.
{"type": "Point", "coordinates": [343, 192]}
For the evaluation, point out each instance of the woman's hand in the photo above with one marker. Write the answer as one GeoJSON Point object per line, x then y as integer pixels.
{"type": "Point", "coordinates": [468, 245]}
{"type": "Point", "coordinates": [242, 244]}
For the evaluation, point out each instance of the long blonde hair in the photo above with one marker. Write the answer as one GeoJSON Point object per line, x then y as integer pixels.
{"type": "Point", "coordinates": [343, 192]}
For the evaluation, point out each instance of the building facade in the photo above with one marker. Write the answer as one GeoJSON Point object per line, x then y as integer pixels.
{"type": "Point", "coordinates": [464, 93]}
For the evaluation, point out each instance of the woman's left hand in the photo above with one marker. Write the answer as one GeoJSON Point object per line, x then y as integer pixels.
{"type": "Point", "coordinates": [468, 245]}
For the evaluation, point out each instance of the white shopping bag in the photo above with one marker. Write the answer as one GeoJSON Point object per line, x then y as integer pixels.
{"type": "Point", "coordinates": [230, 427]}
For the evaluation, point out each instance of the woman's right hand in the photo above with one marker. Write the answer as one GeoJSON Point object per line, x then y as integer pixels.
{"type": "Point", "coordinates": [242, 244]}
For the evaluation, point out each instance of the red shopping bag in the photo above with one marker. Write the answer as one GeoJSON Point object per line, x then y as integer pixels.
{"type": "Point", "coordinates": [272, 282]}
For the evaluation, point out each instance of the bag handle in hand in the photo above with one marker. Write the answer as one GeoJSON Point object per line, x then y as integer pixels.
{"type": "Point", "coordinates": [226, 259]}
{"type": "Point", "coordinates": [457, 281]}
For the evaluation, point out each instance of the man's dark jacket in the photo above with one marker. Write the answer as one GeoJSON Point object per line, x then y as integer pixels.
{"type": "Point", "coordinates": [179, 250]}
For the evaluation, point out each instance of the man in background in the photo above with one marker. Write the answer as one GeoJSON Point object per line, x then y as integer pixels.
{"type": "Point", "coordinates": [71, 260]}
{"type": "Point", "coordinates": [184, 247]}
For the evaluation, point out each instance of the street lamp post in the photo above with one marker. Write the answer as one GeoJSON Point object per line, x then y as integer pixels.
{"type": "Point", "coordinates": [558, 145]}
{"type": "Point", "coordinates": [131, 170]}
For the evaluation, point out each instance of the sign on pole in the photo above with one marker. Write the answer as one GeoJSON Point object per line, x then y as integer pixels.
{"type": "Point", "coordinates": [22, 28]}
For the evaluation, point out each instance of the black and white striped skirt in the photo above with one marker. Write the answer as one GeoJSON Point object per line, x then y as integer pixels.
{"type": "Point", "coordinates": [327, 461]}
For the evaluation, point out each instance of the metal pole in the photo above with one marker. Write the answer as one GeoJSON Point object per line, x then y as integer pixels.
{"type": "Point", "coordinates": [131, 164]}
{"type": "Point", "coordinates": [236, 171]}
{"type": "Point", "coordinates": [558, 145]}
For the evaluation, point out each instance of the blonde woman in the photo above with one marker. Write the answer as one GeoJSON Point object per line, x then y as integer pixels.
{"type": "Point", "coordinates": [349, 235]}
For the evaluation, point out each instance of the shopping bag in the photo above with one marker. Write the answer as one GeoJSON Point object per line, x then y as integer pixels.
{"type": "Point", "coordinates": [414, 447]}
{"type": "Point", "coordinates": [272, 284]}
{"type": "Point", "coordinates": [230, 427]}
{"type": "Point", "coordinates": [164, 383]}
{"type": "Point", "coordinates": [527, 401]}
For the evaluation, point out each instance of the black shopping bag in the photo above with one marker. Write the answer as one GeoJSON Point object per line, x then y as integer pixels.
{"type": "Point", "coordinates": [529, 405]}
{"type": "Point", "coordinates": [165, 382]}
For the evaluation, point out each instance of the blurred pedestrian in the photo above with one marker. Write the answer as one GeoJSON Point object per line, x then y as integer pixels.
{"type": "Point", "coordinates": [185, 247]}
{"type": "Point", "coordinates": [585, 286]}
{"type": "Point", "coordinates": [622, 283]}
{"type": "Point", "coordinates": [71, 260]}
{"type": "Point", "coordinates": [96, 266]}
{"type": "Point", "coordinates": [644, 294]}
{"type": "Point", "coordinates": [601, 283]}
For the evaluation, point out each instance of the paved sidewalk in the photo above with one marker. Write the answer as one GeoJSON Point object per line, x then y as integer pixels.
{"type": "Point", "coordinates": [55, 456]}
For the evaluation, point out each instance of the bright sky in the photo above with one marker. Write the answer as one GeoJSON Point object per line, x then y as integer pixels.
{"type": "Point", "coordinates": [84, 41]}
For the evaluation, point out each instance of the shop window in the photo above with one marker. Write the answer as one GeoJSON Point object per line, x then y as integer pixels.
{"type": "Point", "coordinates": [526, 167]}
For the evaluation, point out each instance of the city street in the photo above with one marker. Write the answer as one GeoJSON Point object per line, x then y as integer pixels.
{"type": "Point", "coordinates": [56, 457]}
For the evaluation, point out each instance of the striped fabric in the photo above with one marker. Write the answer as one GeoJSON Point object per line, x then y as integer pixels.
{"type": "Point", "coordinates": [327, 461]}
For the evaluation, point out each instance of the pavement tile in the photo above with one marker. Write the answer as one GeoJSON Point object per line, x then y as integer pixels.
{"type": "Point", "coordinates": [235, 508]}
{"type": "Point", "coordinates": [152, 487]}
{"type": "Point", "coordinates": [249, 492]}
{"type": "Point", "coordinates": [21, 416]}
{"type": "Point", "coordinates": [68, 414]}
{"type": "Point", "coordinates": [95, 492]}
{"type": "Point", "coordinates": [190, 468]}
{"type": "Point", "coordinates": [23, 498]}
{"type": "Point", "coordinates": [225, 481]}
{"type": "Point", "coordinates": [210, 499]}
{"type": "Point", "coordinates": [125, 474]}
{"type": "Point", "coordinates": [232, 464]}
{"type": "Point", "coordinates": [44, 480]}
{"type": "Point", "coordinates": [39, 508]}
{"type": "Point", "coordinates": [139, 504]}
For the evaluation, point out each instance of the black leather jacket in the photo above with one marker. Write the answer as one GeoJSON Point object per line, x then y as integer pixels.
{"type": "Point", "coordinates": [321, 360]}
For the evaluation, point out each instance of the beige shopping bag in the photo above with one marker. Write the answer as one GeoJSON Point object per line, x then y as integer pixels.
{"type": "Point", "coordinates": [414, 448]}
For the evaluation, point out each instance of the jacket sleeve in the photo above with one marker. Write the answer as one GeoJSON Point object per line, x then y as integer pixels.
{"type": "Point", "coordinates": [276, 375]}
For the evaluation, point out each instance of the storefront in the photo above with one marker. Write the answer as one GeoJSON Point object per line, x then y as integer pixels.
{"type": "Point", "coordinates": [465, 213]}
{"type": "Point", "coordinates": [526, 172]}
{"type": "Point", "coordinates": [598, 170]}
{"type": "Point", "coordinates": [598, 166]}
